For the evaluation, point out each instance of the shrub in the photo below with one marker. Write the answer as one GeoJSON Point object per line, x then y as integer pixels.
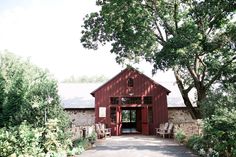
{"type": "Point", "coordinates": [92, 138]}
{"type": "Point", "coordinates": [180, 136]}
{"type": "Point", "coordinates": [52, 143]}
{"type": "Point", "coordinates": [27, 93]}
{"type": "Point", "coordinates": [195, 141]}
{"type": "Point", "coordinates": [219, 135]}
{"type": "Point", "coordinates": [21, 140]}
{"type": "Point", "coordinates": [220, 132]}
{"type": "Point", "coordinates": [26, 140]}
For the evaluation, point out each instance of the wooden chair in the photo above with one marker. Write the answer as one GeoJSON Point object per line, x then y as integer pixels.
{"type": "Point", "coordinates": [169, 131]}
{"type": "Point", "coordinates": [163, 128]}
{"type": "Point", "coordinates": [102, 131]}
{"type": "Point", "coordinates": [107, 131]}
{"type": "Point", "coordinates": [99, 131]}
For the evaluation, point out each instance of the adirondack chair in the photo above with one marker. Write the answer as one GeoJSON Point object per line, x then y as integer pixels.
{"type": "Point", "coordinates": [102, 131]}
{"type": "Point", "coordinates": [169, 131]}
{"type": "Point", "coordinates": [107, 131]}
{"type": "Point", "coordinates": [99, 131]}
{"type": "Point", "coordinates": [163, 128]}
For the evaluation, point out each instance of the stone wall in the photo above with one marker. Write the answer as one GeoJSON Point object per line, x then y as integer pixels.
{"type": "Point", "coordinates": [82, 117]}
{"type": "Point", "coordinates": [179, 115]}
{"type": "Point", "coordinates": [183, 121]}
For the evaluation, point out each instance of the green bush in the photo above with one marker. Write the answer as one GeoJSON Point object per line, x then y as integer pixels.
{"type": "Point", "coordinates": [92, 138]}
{"type": "Point", "coordinates": [26, 140]}
{"type": "Point", "coordinates": [27, 93]}
{"type": "Point", "coordinates": [21, 140]}
{"type": "Point", "coordinates": [32, 120]}
{"type": "Point", "coordinates": [220, 132]}
{"type": "Point", "coordinates": [180, 136]}
{"type": "Point", "coordinates": [219, 135]}
{"type": "Point", "coordinates": [196, 142]}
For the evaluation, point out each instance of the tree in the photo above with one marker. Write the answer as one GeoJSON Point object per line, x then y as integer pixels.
{"type": "Point", "coordinates": [196, 39]}
{"type": "Point", "coordinates": [27, 93]}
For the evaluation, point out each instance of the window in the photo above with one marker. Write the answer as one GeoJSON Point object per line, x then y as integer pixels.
{"type": "Point", "coordinates": [147, 100]}
{"type": "Point", "coordinates": [130, 82]}
{"type": "Point", "coordinates": [131, 100]}
{"type": "Point", "coordinates": [113, 114]}
{"type": "Point", "coordinates": [128, 116]}
{"type": "Point", "coordinates": [114, 100]}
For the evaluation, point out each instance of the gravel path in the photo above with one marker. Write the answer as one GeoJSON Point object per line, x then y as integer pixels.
{"type": "Point", "coordinates": [137, 146]}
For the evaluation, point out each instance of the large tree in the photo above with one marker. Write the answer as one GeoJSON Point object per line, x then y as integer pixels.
{"type": "Point", "coordinates": [194, 38]}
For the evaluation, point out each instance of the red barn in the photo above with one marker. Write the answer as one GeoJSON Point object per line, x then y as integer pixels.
{"type": "Point", "coordinates": [131, 102]}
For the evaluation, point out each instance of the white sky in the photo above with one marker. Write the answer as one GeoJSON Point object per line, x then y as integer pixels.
{"type": "Point", "coordinates": [48, 32]}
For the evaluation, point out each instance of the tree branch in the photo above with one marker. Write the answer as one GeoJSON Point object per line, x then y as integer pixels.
{"type": "Point", "coordinates": [193, 74]}
{"type": "Point", "coordinates": [189, 88]}
{"type": "Point", "coordinates": [175, 15]}
{"type": "Point", "coordinates": [156, 24]}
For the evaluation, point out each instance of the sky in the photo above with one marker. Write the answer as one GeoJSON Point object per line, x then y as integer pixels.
{"type": "Point", "coordinates": [48, 32]}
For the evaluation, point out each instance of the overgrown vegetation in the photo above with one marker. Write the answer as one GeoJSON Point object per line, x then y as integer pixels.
{"type": "Point", "coordinates": [180, 136]}
{"type": "Point", "coordinates": [32, 121]}
{"type": "Point", "coordinates": [82, 144]}
{"type": "Point", "coordinates": [26, 140]}
{"type": "Point", "coordinates": [219, 128]}
{"type": "Point", "coordinates": [27, 93]}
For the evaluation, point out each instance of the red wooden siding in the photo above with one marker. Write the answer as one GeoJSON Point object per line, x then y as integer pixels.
{"type": "Point", "coordinates": [143, 86]}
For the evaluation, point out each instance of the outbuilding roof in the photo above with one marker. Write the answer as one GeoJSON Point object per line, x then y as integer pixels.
{"type": "Point", "coordinates": [77, 95]}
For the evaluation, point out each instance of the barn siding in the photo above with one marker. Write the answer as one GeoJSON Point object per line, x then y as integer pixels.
{"type": "Point", "coordinates": [143, 86]}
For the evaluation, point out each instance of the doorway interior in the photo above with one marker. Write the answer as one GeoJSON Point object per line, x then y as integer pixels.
{"type": "Point", "coordinates": [131, 120]}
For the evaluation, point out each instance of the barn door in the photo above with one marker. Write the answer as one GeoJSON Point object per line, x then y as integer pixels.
{"type": "Point", "coordinates": [145, 128]}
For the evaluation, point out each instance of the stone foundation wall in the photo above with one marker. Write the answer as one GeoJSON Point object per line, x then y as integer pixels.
{"type": "Point", "coordinates": [189, 128]}
{"type": "Point", "coordinates": [183, 121]}
{"type": "Point", "coordinates": [179, 115]}
{"type": "Point", "coordinates": [77, 131]}
{"type": "Point", "coordinates": [82, 117]}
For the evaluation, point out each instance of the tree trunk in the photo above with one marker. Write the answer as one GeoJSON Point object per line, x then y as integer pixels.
{"type": "Point", "coordinates": [193, 111]}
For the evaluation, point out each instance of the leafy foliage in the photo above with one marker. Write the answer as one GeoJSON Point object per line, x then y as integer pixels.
{"type": "Point", "coordinates": [196, 39]}
{"type": "Point", "coordinates": [32, 121]}
{"type": "Point", "coordinates": [219, 123]}
{"type": "Point", "coordinates": [180, 136]}
{"type": "Point", "coordinates": [20, 140]}
{"type": "Point", "coordinates": [219, 135]}
{"type": "Point", "coordinates": [25, 140]}
{"type": "Point", "coordinates": [220, 130]}
{"type": "Point", "coordinates": [27, 93]}
{"type": "Point", "coordinates": [222, 97]}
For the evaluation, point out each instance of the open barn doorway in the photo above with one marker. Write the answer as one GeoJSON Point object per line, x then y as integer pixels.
{"type": "Point", "coordinates": [131, 120]}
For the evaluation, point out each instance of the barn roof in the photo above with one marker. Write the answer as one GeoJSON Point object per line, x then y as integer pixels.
{"type": "Point", "coordinates": [77, 95]}
{"type": "Point", "coordinates": [123, 71]}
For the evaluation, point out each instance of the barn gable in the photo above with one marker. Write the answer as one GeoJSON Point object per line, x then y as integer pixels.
{"type": "Point", "coordinates": [129, 72]}
{"type": "Point", "coordinates": [131, 91]}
